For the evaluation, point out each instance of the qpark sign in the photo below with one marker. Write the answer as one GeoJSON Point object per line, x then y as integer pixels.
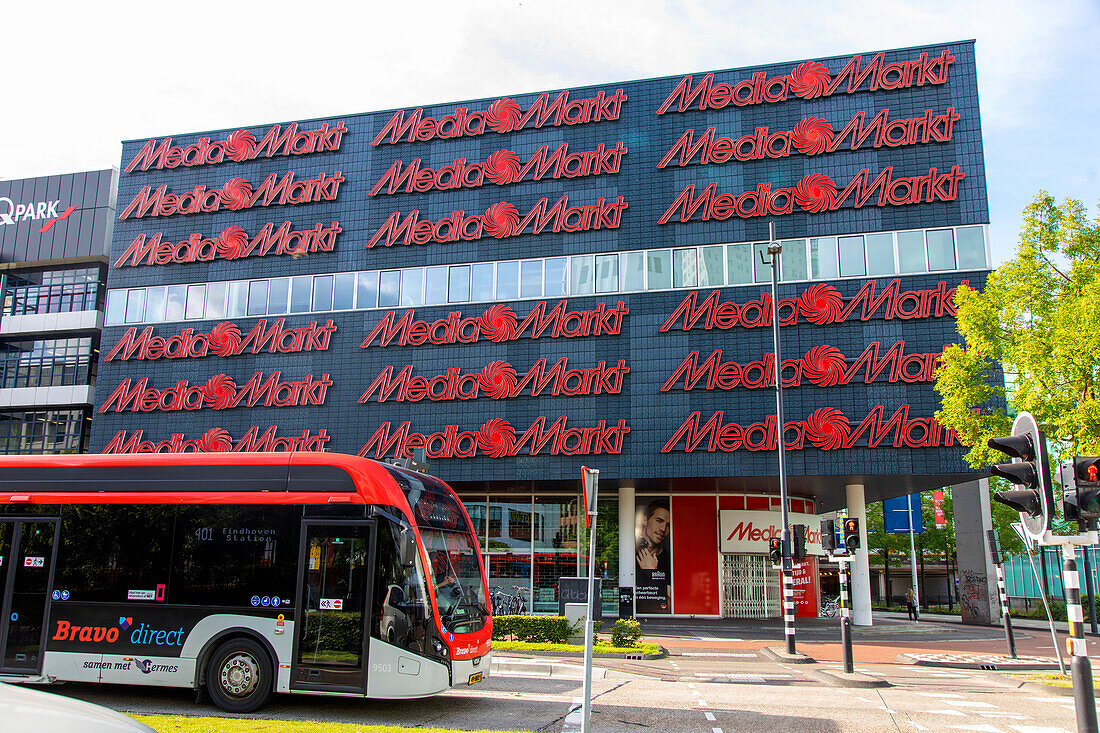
{"type": "Point", "coordinates": [748, 532]}
{"type": "Point", "coordinates": [12, 212]}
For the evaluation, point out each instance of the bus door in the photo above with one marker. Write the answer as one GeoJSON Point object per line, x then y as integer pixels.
{"type": "Point", "coordinates": [27, 549]}
{"type": "Point", "coordinates": [335, 579]}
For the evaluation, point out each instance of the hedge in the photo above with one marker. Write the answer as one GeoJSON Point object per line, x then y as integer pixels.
{"type": "Point", "coordinates": [537, 629]}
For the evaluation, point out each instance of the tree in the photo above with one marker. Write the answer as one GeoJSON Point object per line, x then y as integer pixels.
{"type": "Point", "coordinates": [1038, 320]}
{"type": "Point", "coordinates": [883, 544]}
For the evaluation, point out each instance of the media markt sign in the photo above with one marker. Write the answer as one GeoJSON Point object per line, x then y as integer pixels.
{"type": "Point", "coordinates": [748, 532]}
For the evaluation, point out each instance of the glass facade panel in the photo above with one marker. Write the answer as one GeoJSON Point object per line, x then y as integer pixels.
{"type": "Point", "coordinates": [823, 258]}
{"type": "Point", "coordinates": [116, 307]}
{"type": "Point", "coordinates": [685, 267]}
{"type": "Point", "coordinates": [156, 300]}
{"type": "Point", "coordinates": [278, 294]}
{"type": "Point", "coordinates": [508, 541]}
{"type": "Point", "coordinates": [135, 305]}
{"type": "Point", "coordinates": [658, 269]}
{"type": "Point", "coordinates": [739, 262]}
{"type": "Point", "coordinates": [389, 288]}
{"type": "Point", "coordinates": [507, 280]}
{"type": "Point", "coordinates": [852, 261]}
{"type": "Point", "coordinates": [412, 286]}
{"type": "Point", "coordinates": [911, 256]}
{"type": "Point", "coordinates": [632, 271]}
{"type": "Point", "coordinates": [215, 299]}
{"type": "Point", "coordinates": [762, 270]}
{"type": "Point", "coordinates": [554, 278]}
{"type": "Point", "coordinates": [971, 247]}
{"type": "Point", "coordinates": [322, 293]}
{"type": "Point", "coordinates": [481, 281]}
{"type": "Point", "coordinates": [458, 287]}
{"type": "Point", "coordinates": [792, 260]}
{"type": "Point", "coordinates": [343, 291]}
{"type": "Point", "coordinates": [941, 249]}
{"type": "Point", "coordinates": [607, 274]}
{"type": "Point", "coordinates": [49, 431]}
{"type": "Point", "coordinates": [880, 254]}
{"type": "Point", "coordinates": [301, 293]}
{"type": "Point", "coordinates": [582, 280]}
{"type": "Point", "coordinates": [366, 290]}
{"type": "Point", "coordinates": [557, 526]}
{"type": "Point", "coordinates": [712, 268]}
{"type": "Point", "coordinates": [435, 285]}
{"type": "Point", "coordinates": [196, 301]}
{"type": "Point", "coordinates": [238, 299]}
{"type": "Point", "coordinates": [530, 279]}
{"type": "Point", "coordinates": [257, 298]}
{"type": "Point", "coordinates": [177, 296]}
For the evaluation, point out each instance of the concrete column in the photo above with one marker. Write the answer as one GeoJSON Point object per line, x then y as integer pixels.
{"type": "Point", "coordinates": [978, 598]}
{"type": "Point", "coordinates": [861, 565]}
{"type": "Point", "coordinates": [626, 535]}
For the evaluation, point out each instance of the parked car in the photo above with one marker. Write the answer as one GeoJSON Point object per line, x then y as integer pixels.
{"type": "Point", "coordinates": [24, 708]}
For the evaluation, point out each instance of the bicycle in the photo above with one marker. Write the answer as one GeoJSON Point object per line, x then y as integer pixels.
{"type": "Point", "coordinates": [831, 609]}
{"type": "Point", "coordinates": [504, 604]}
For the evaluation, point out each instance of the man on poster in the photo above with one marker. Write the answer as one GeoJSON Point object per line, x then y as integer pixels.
{"type": "Point", "coordinates": [653, 566]}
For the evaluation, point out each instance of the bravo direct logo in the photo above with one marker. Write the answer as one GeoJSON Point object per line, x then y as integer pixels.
{"type": "Point", "coordinates": [13, 213]}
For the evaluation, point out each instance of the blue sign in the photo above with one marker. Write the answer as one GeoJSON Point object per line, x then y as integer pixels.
{"type": "Point", "coordinates": [255, 600]}
{"type": "Point", "coordinates": [901, 513]}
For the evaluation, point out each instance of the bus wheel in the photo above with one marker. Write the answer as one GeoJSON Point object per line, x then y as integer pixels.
{"type": "Point", "coordinates": [239, 676]}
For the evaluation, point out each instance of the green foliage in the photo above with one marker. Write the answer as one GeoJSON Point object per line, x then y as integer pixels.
{"type": "Point", "coordinates": [539, 629]}
{"type": "Point", "coordinates": [1039, 320]}
{"type": "Point", "coordinates": [626, 632]}
{"type": "Point", "coordinates": [334, 630]}
{"type": "Point", "coordinates": [601, 648]}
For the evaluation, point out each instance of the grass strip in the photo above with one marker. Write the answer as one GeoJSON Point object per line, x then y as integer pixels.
{"type": "Point", "coordinates": [528, 646]}
{"type": "Point", "coordinates": [187, 724]}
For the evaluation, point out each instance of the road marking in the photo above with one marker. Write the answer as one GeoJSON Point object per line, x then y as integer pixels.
{"type": "Point", "coordinates": [970, 703]}
{"type": "Point", "coordinates": [984, 728]}
{"type": "Point", "coordinates": [1038, 729]}
{"type": "Point", "coordinates": [717, 654]}
{"type": "Point", "coordinates": [710, 716]}
{"type": "Point", "coordinates": [1048, 699]}
{"type": "Point", "coordinates": [574, 720]}
{"type": "Point", "coordinates": [888, 710]}
{"type": "Point", "coordinates": [938, 694]}
{"type": "Point", "coordinates": [959, 713]}
{"type": "Point", "coordinates": [716, 730]}
{"type": "Point", "coordinates": [702, 703]}
{"type": "Point", "coordinates": [1012, 716]}
{"type": "Point", "coordinates": [918, 726]}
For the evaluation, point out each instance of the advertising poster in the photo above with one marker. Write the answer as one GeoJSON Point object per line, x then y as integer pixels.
{"type": "Point", "coordinates": [652, 555]}
{"type": "Point", "coordinates": [804, 579]}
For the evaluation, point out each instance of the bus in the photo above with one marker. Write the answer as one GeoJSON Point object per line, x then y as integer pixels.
{"type": "Point", "coordinates": [239, 575]}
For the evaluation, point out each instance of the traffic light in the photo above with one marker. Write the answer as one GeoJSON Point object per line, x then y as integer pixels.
{"type": "Point", "coordinates": [775, 549]}
{"type": "Point", "coordinates": [798, 539]}
{"type": "Point", "coordinates": [1080, 488]}
{"type": "Point", "coordinates": [1035, 501]}
{"type": "Point", "coordinates": [851, 533]}
{"type": "Point", "coordinates": [828, 536]}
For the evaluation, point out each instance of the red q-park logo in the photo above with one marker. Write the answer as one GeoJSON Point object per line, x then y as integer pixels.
{"type": "Point", "coordinates": [240, 146]}
{"type": "Point", "coordinates": [502, 116]}
{"type": "Point", "coordinates": [809, 80]}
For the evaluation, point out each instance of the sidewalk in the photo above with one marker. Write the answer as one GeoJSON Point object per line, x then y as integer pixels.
{"type": "Point", "coordinates": [1035, 624]}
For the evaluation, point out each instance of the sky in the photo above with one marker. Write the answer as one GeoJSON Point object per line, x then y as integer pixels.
{"type": "Point", "coordinates": [81, 77]}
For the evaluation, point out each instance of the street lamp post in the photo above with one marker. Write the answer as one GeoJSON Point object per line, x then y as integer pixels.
{"type": "Point", "coordinates": [774, 250]}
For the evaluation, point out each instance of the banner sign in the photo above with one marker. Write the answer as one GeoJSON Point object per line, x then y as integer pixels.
{"type": "Point", "coordinates": [749, 531]}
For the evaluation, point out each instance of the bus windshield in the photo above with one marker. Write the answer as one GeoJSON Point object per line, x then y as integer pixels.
{"type": "Point", "coordinates": [452, 552]}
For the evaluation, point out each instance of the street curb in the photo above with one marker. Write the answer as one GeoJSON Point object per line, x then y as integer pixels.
{"type": "Point", "coordinates": [982, 666]}
{"type": "Point", "coordinates": [541, 668]}
{"type": "Point", "coordinates": [780, 654]}
{"type": "Point", "coordinates": [838, 678]}
{"type": "Point", "coordinates": [515, 654]}
{"type": "Point", "coordinates": [1038, 687]}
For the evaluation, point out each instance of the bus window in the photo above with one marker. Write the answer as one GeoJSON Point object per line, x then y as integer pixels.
{"type": "Point", "coordinates": [401, 606]}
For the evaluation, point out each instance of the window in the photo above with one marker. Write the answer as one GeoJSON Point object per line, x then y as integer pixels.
{"type": "Point", "coordinates": [389, 288]}
{"type": "Point", "coordinates": [257, 298]}
{"type": "Point", "coordinates": [851, 257]}
{"type": "Point", "coordinates": [658, 269]}
{"type": "Point", "coordinates": [435, 285]}
{"type": "Point", "coordinates": [412, 286]}
{"type": "Point", "coordinates": [278, 294]}
{"type": "Point", "coordinates": [880, 254]}
{"type": "Point", "coordinates": [177, 297]}
{"type": "Point", "coordinates": [712, 270]}
{"type": "Point", "coordinates": [911, 256]}
{"type": "Point", "coordinates": [196, 301]}
{"type": "Point", "coordinates": [50, 431]}
{"type": "Point", "coordinates": [238, 299]}
{"type": "Point", "coordinates": [607, 273]}
{"type": "Point", "coordinates": [792, 260]}
{"type": "Point", "coordinates": [215, 299]}
{"type": "Point", "coordinates": [135, 305]}
{"type": "Point", "coordinates": [156, 299]}
{"type": "Point", "coordinates": [481, 281]}
{"type": "Point", "coordinates": [402, 608]}
{"type": "Point", "coordinates": [366, 290]}
{"type": "Point", "coordinates": [762, 269]}
{"type": "Point", "coordinates": [582, 281]}
{"type": "Point", "coordinates": [632, 271]}
{"type": "Point", "coordinates": [685, 267]}
{"type": "Point", "coordinates": [554, 278]}
{"type": "Point", "coordinates": [530, 279]}
{"type": "Point", "coordinates": [343, 291]}
{"type": "Point", "coordinates": [458, 287]}
{"type": "Point", "coordinates": [301, 292]}
{"type": "Point", "coordinates": [322, 293]}
{"type": "Point", "coordinates": [739, 262]}
{"type": "Point", "coordinates": [116, 307]}
{"type": "Point", "coordinates": [971, 243]}
{"type": "Point", "coordinates": [507, 280]}
{"type": "Point", "coordinates": [823, 258]}
{"type": "Point", "coordinates": [941, 249]}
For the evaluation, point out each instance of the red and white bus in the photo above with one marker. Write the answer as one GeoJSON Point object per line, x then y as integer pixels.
{"type": "Point", "coordinates": [239, 574]}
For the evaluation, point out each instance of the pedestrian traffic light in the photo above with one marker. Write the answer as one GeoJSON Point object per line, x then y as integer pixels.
{"type": "Point", "coordinates": [798, 540]}
{"type": "Point", "coordinates": [851, 533]}
{"type": "Point", "coordinates": [828, 536]}
{"type": "Point", "coordinates": [1080, 488]}
{"type": "Point", "coordinates": [775, 549]}
{"type": "Point", "coordinates": [1035, 501]}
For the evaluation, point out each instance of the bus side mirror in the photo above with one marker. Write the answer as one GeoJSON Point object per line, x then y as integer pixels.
{"type": "Point", "coordinates": [407, 548]}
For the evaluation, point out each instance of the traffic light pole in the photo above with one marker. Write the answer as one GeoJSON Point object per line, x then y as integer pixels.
{"type": "Point", "coordinates": [1084, 699]}
{"type": "Point", "coordinates": [846, 618]}
{"type": "Point", "coordinates": [1005, 617]}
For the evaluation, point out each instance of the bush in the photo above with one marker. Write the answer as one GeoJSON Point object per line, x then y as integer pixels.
{"type": "Point", "coordinates": [537, 629]}
{"type": "Point", "coordinates": [626, 632]}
